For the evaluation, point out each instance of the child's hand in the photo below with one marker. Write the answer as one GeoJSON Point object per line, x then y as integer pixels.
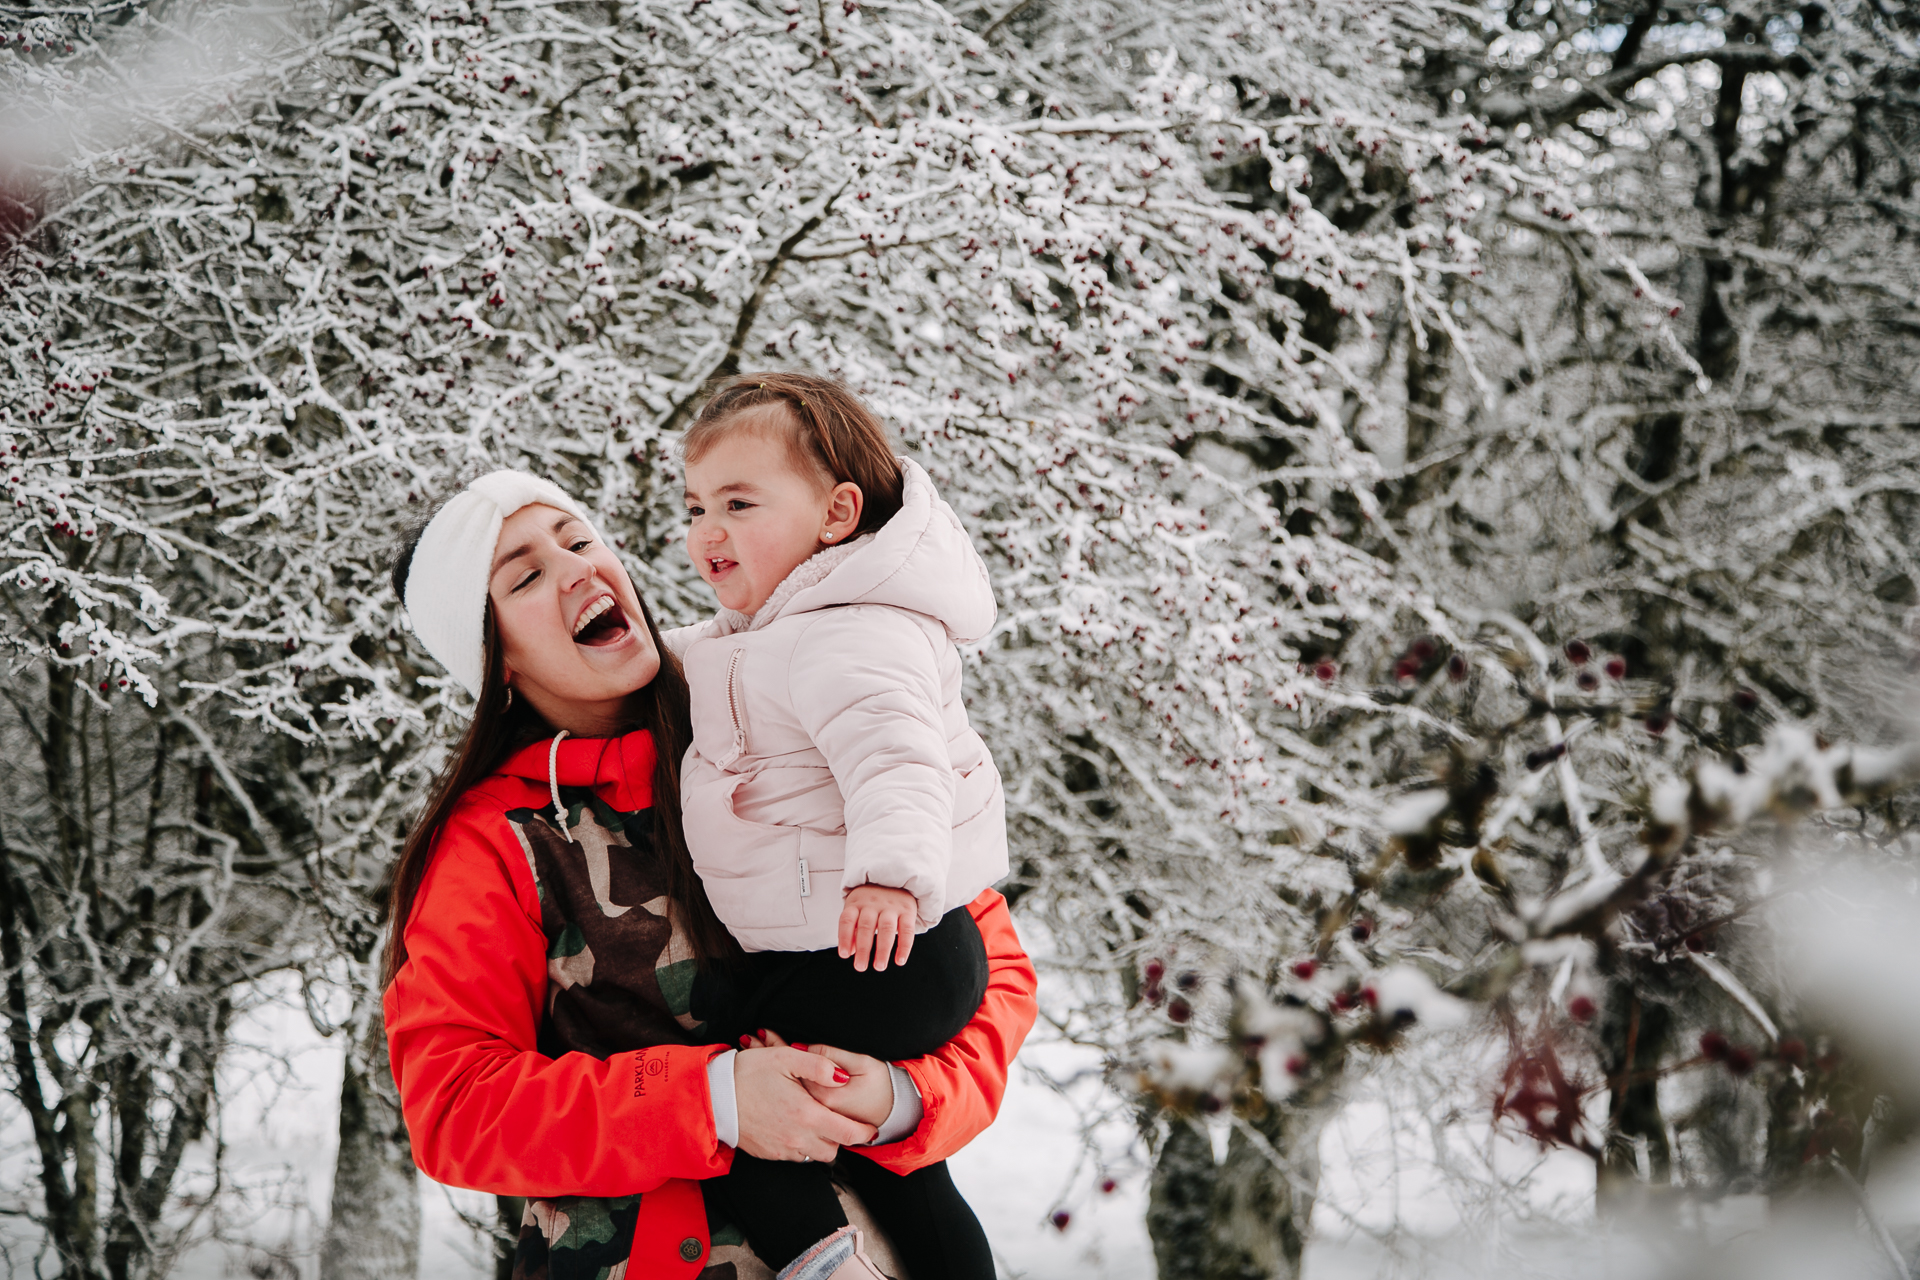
{"type": "Point", "coordinates": [880, 919]}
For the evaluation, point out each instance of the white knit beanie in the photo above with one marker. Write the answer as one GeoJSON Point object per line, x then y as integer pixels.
{"type": "Point", "coordinates": [446, 594]}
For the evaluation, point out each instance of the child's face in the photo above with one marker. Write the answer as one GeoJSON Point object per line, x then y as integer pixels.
{"type": "Point", "coordinates": [755, 517]}
{"type": "Point", "coordinates": [571, 633]}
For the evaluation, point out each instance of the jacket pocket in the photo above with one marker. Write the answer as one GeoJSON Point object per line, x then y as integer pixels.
{"type": "Point", "coordinates": [751, 870]}
{"type": "Point", "coordinates": [974, 793]}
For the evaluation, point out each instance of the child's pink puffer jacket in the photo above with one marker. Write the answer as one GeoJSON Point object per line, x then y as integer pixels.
{"type": "Point", "coordinates": [830, 745]}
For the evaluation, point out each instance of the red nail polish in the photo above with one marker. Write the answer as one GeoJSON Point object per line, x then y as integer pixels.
{"type": "Point", "coordinates": [745, 1042]}
{"type": "Point", "coordinates": [840, 1076]}
{"type": "Point", "coordinates": [801, 1047]}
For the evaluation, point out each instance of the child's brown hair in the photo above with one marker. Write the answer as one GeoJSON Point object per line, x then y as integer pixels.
{"type": "Point", "coordinates": [829, 432]}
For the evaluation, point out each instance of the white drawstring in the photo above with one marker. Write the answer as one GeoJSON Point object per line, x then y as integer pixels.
{"type": "Point", "coordinates": [553, 781]}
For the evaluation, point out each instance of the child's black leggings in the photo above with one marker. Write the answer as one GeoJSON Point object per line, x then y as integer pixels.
{"type": "Point", "coordinates": [905, 1011]}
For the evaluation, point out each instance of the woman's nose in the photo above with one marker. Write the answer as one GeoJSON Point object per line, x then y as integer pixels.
{"type": "Point", "coordinates": [574, 570]}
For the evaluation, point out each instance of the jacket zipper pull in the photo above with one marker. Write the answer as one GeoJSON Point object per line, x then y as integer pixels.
{"type": "Point", "coordinates": [733, 705]}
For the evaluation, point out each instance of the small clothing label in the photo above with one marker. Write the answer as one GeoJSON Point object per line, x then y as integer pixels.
{"type": "Point", "coordinates": [806, 885]}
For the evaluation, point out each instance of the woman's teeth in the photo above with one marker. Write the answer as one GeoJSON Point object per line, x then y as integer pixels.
{"type": "Point", "coordinates": [591, 612]}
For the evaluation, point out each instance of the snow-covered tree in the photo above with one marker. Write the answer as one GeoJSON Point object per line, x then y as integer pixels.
{"type": "Point", "coordinates": [1726, 504]}
{"type": "Point", "coordinates": [1125, 276]}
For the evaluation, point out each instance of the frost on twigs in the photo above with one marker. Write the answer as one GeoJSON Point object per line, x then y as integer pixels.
{"type": "Point", "coordinates": [1609, 844]}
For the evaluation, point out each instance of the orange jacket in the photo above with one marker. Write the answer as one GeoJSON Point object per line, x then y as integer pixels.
{"type": "Point", "coordinates": [486, 1110]}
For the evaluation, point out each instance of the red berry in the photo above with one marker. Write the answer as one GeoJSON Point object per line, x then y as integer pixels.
{"type": "Point", "coordinates": [1694, 942]}
{"type": "Point", "coordinates": [1422, 650]}
{"type": "Point", "coordinates": [1581, 1009]}
{"type": "Point", "coordinates": [1587, 681]}
{"type": "Point", "coordinates": [1616, 668]}
{"type": "Point", "coordinates": [1714, 1045]}
{"type": "Point", "coordinates": [1343, 1000]}
{"type": "Point", "coordinates": [1745, 698]}
{"type": "Point", "coordinates": [1060, 1219]}
{"type": "Point", "coordinates": [1296, 1065]}
{"type": "Point", "coordinates": [1545, 756]}
{"type": "Point", "coordinates": [1794, 1051]}
{"type": "Point", "coordinates": [1739, 1059]}
{"type": "Point", "coordinates": [1457, 668]}
{"type": "Point", "coordinates": [1658, 722]}
{"type": "Point", "coordinates": [1304, 969]}
{"type": "Point", "coordinates": [1179, 1010]}
{"type": "Point", "coordinates": [1405, 670]}
{"type": "Point", "coordinates": [1155, 970]}
{"type": "Point", "coordinates": [1108, 1186]}
{"type": "Point", "coordinates": [1578, 652]}
{"type": "Point", "coordinates": [1361, 929]}
{"type": "Point", "coordinates": [1325, 672]}
{"type": "Point", "coordinates": [105, 687]}
{"type": "Point", "coordinates": [1371, 996]}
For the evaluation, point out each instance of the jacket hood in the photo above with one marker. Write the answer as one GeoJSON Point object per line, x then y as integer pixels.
{"type": "Point", "coordinates": [921, 560]}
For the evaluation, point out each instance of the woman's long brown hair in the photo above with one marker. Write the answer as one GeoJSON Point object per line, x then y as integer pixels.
{"type": "Point", "coordinates": [497, 730]}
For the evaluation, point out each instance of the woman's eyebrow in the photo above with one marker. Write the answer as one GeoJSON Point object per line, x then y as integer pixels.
{"type": "Point", "coordinates": [526, 548]}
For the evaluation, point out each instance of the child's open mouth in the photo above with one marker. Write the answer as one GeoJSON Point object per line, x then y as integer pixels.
{"type": "Point", "coordinates": [601, 623]}
{"type": "Point", "coordinates": [717, 568]}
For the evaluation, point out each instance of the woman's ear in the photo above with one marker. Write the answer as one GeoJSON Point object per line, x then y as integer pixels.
{"type": "Point", "coordinates": [843, 512]}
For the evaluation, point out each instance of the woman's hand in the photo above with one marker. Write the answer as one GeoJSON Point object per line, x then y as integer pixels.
{"type": "Point", "coordinates": [775, 1091]}
{"type": "Point", "coordinates": [867, 1095]}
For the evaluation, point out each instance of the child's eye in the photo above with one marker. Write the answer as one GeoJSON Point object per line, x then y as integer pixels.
{"type": "Point", "coordinates": [696, 511]}
{"type": "Point", "coordinates": [738, 504]}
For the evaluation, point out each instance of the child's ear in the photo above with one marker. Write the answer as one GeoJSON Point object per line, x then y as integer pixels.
{"type": "Point", "coordinates": [844, 505]}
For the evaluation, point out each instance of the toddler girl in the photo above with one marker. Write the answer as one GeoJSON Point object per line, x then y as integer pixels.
{"type": "Point", "coordinates": [840, 810]}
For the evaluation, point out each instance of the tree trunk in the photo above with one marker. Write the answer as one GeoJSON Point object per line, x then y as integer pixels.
{"type": "Point", "coordinates": [512, 1210]}
{"type": "Point", "coordinates": [1634, 1037]}
{"type": "Point", "coordinates": [1180, 1201]}
{"type": "Point", "coordinates": [1261, 1210]}
{"type": "Point", "coordinates": [373, 1229]}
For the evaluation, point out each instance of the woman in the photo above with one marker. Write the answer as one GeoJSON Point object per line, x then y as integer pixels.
{"type": "Point", "coordinates": [547, 928]}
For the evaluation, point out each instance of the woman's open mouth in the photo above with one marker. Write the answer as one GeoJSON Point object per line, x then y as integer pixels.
{"type": "Point", "coordinates": [600, 624]}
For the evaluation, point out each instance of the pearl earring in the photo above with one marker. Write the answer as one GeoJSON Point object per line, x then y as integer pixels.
{"type": "Point", "coordinates": [828, 535]}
